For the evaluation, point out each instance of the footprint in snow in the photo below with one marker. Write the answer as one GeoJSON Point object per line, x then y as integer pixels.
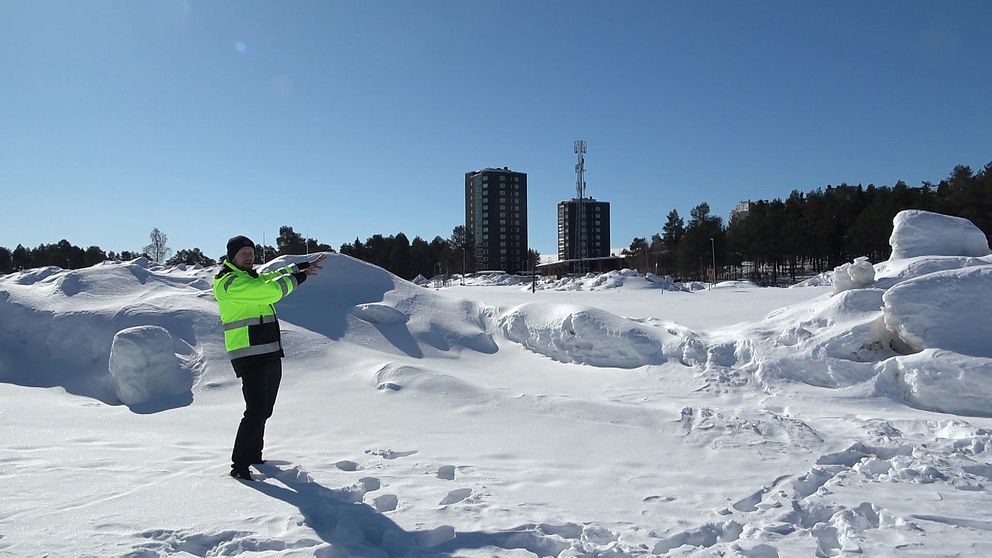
{"type": "Point", "coordinates": [385, 503]}
{"type": "Point", "coordinates": [390, 454]}
{"type": "Point", "coordinates": [456, 496]}
{"type": "Point", "coordinates": [446, 472]}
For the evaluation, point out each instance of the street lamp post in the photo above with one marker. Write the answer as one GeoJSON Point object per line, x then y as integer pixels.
{"type": "Point", "coordinates": [713, 248]}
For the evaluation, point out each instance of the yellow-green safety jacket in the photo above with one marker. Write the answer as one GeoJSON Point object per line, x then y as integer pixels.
{"type": "Point", "coordinates": [246, 300]}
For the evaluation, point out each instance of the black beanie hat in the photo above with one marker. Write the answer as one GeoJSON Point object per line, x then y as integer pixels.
{"type": "Point", "coordinates": [236, 244]}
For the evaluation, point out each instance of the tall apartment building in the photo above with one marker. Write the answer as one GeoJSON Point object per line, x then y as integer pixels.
{"type": "Point", "coordinates": [496, 219]}
{"type": "Point", "coordinates": [593, 238]}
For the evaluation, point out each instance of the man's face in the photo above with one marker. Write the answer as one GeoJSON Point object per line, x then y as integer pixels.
{"type": "Point", "coordinates": [245, 258]}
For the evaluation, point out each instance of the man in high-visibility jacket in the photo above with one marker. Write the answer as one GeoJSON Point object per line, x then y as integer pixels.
{"type": "Point", "coordinates": [252, 339]}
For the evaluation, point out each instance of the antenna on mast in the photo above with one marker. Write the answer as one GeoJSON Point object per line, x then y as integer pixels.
{"type": "Point", "coordinates": [579, 252]}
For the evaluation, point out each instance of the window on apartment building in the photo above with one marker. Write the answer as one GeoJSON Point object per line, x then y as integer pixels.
{"type": "Point", "coordinates": [502, 178]}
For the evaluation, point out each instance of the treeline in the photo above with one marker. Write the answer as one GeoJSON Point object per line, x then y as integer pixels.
{"type": "Point", "coordinates": [395, 253]}
{"type": "Point", "coordinates": [69, 256]}
{"type": "Point", "coordinates": [408, 259]}
{"type": "Point", "coordinates": [806, 233]}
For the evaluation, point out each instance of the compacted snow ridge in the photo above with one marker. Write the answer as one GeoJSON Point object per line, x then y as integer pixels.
{"type": "Point", "coordinates": [608, 415]}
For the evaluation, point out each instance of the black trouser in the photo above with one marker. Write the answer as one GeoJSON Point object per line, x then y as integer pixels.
{"type": "Point", "coordinates": [259, 384]}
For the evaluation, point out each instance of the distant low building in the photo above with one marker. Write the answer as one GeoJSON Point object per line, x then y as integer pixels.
{"type": "Point", "coordinates": [741, 211]}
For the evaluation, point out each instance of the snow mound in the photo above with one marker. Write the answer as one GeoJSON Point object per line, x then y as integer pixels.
{"type": "Point", "coordinates": [493, 280]}
{"type": "Point", "coordinates": [945, 309]}
{"type": "Point", "coordinates": [856, 275]}
{"type": "Point", "coordinates": [145, 369]}
{"type": "Point", "coordinates": [394, 377]}
{"type": "Point", "coordinates": [358, 302]}
{"type": "Point", "coordinates": [890, 273]}
{"type": "Point", "coordinates": [585, 335]}
{"type": "Point", "coordinates": [830, 342]}
{"type": "Point", "coordinates": [624, 278]}
{"type": "Point", "coordinates": [825, 279]}
{"type": "Point", "coordinates": [664, 282]}
{"type": "Point", "coordinates": [379, 314]}
{"type": "Point", "coordinates": [736, 285]}
{"type": "Point", "coordinates": [939, 380]}
{"type": "Point", "coordinates": [923, 233]}
{"type": "Point", "coordinates": [59, 326]}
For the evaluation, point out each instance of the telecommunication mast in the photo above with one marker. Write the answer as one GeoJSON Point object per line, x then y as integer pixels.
{"type": "Point", "coordinates": [579, 252]}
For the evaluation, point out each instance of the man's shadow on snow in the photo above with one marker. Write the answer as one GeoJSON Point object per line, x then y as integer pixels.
{"type": "Point", "coordinates": [341, 519]}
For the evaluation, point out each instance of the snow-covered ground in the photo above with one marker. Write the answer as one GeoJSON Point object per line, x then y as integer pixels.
{"type": "Point", "coordinates": [605, 416]}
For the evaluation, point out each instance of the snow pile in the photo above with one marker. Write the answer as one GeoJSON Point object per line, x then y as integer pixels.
{"type": "Point", "coordinates": [590, 336]}
{"type": "Point", "coordinates": [946, 309]}
{"type": "Point", "coordinates": [363, 304]}
{"type": "Point", "coordinates": [893, 272]}
{"type": "Point", "coordinates": [492, 280]}
{"type": "Point", "coordinates": [922, 233]}
{"type": "Point", "coordinates": [825, 279]}
{"type": "Point", "coordinates": [831, 342]}
{"type": "Point", "coordinates": [665, 282]}
{"type": "Point", "coordinates": [145, 368]}
{"type": "Point", "coordinates": [735, 285]}
{"type": "Point", "coordinates": [939, 380]}
{"type": "Point", "coordinates": [59, 326]}
{"type": "Point", "coordinates": [626, 278]}
{"type": "Point", "coordinates": [856, 275]}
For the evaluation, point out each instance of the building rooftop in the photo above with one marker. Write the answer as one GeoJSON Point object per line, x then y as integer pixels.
{"type": "Point", "coordinates": [491, 169]}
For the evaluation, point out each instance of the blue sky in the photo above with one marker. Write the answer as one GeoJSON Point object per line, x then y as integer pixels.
{"type": "Point", "coordinates": [346, 119]}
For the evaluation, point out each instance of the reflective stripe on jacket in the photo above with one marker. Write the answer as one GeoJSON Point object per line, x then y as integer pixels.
{"type": "Point", "coordinates": [246, 302]}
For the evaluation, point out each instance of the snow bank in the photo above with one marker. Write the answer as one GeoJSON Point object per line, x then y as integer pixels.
{"type": "Point", "coordinates": [492, 280]}
{"type": "Point", "coordinates": [361, 303]}
{"type": "Point", "coordinates": [830, 342]}
{"type": "Point", "coordinates": [584, 335]}
{"type": "Point", "coordinates": [144, 367]}
{"type": "Point", "coordinates": [379, 314]}
{"type": "Point", "coordinates": [939, 380]}
{"type": "Point", "coordinates": [57, 327]}
{"type": "Point", "coordinates": [922, 233]}
{"type": "Point", "coordinates": [735, 285]}
{"type": "Point", "coordinates": [890, 273]}
{"type": "Point", "coordinates": [946, 309]}
{"type": "Point", "coordinates": [856, 275]}
{"type": "Point", "coordinates": [625, 278]}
